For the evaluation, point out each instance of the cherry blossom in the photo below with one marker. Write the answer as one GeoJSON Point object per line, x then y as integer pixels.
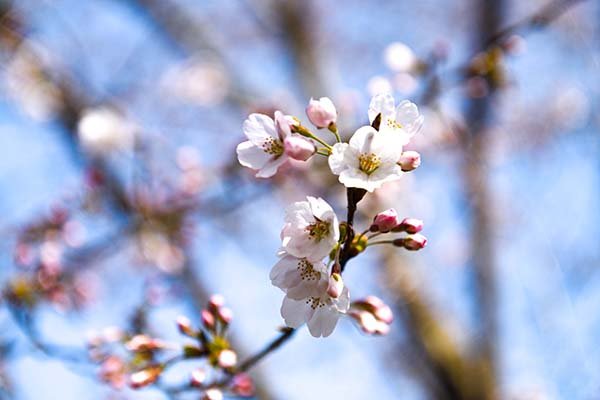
{"type": "Point", "coordinates": [368, 161]}
{"type": "Point", "coordinates": [403, 120]}
{"type": "Point", "coordinates": [321, 313]}
{"type": "Point", "coordinates": [263, 151]}
{"type": "Point", "coordinates": [103, 130]}
{"type": "Point", "coordinates": [311, 229]}
{"type": "Point", "coordinates": [298, 277]}
{"type": "Point", "coordinates": [322, 112]}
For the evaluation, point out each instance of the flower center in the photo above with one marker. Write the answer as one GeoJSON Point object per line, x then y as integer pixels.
{"type": "Point", "coordinates": [272, 146]}
{"type": "Point", "coordinates": [307, 271]}
{"type": "Point", "coordinates": [318, 230]}
{"type": "Point", "coordinates": [391, 123]}
{"type": "Point", "coordinates": [368, 163]}
{"type": "Point", "coordinates": [315, 302]}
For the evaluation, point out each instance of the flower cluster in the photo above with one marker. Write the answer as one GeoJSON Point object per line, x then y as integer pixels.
{"type": "Point", "coordinates": [315, 246]}
{"type": "Point", "coordinates": [139, 360]}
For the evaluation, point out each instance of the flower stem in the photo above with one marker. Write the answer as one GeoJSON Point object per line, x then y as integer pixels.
{"type": "Point", "coordinates": [380, 242]}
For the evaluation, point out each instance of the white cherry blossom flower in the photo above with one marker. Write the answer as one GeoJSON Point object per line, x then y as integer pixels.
{"type": "Point", "coordinates": [368, 161]}
{"type": "Point", "coordinates": [103, 130]}
{"type": "Point", "coordinates": [311, 229]}
{"type": "Point", "coordinates": [263, 151]}
{"type": "Point", "coordinates": [321, 313]}
{"type": "Point", "coordinates": [403, 120]}
{"type": "Point", "coordinates": [298, 277]}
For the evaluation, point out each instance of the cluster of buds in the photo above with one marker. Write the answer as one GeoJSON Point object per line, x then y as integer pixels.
{"type": "Point", "coordinates": [372, 315]}
{"type": "Point", "coordinates": [387, 221]}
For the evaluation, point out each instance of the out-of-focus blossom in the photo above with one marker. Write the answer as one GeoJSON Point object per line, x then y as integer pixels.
{"type": "Point", "coordinates": [322, 112]}
{"type": "Point", "coordinates": [368, 161]}
{"type": "Point", "coordinates": [113, 372]}
{"type": "Point", "coordinates": [311, 229]}
{"type": "Point", "coordinates": [372, 315]}
{"type": "Point", "coordinates": [242, 385]}
{"type": "Point", "coordinates": [213, 394]}
{"type": "Point", "coordinates": [145, 377]}
{"type": "Point", "coordinates": [379, 84]}
{"type": "Point", "coordinates": [298, 277]}
{"type": "Point", "coordinates": [399, 57]}
{"type": "Point", "coordinates": [227, 358]}
{"type": "Point", "coordinates": [198, 377]}
{"type": "Point", "coordinates": [198, 82]}
{"type": "Point", "coordinates": [103, 130]}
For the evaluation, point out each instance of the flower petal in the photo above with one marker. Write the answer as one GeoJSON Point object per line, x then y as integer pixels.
{"type": "Point", "coordinates": [258, 127]}
{"type": "Point", "coordinates": [270, 168]}
{"type": "Point", "coordinates": [381, 103]}
{"type": "Point", "coordinates": [252, 156]}
{"type": "Point", "coordinates": [407, 115]}
{"type": "Point", "coordinates": [294, 312]}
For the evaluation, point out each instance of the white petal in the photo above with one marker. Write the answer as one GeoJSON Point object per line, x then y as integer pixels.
{"type": "Point", "coordinates": [355, 178]}
{"type": "Point", "coordinates": [323, 321]}
{"type": "Point", "coordinates": [336, 159]}
{"type": "Point", "coordinates": [407, 115]}
{"type": "Point", "coordinates": [361, 136]}
{"type": "Point", "coordinates": [294, 312]}
{"type": "Point", "coordinates": [258, 127]}
{"type": "Point", "coordinates": [381, 103]}
{"type": "Point", "coordinates": [319, 207]}
{"type": "Point", "coordinates": [252, 156]}
{"type": "Point", "coordinates": [270, 168]}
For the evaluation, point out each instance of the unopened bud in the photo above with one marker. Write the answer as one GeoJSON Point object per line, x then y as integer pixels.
{"type": "Point", "coordinates": [384, 314]}
{"type": "Point", "coordinates": [225, 314]}
{"type": "Point", "coordinates": [298, 148]}
{"type": "Point", "coordinates": [213, 394]}
{"type": "Point", "coordinates": [184, 325]}
{"type": "Point", "coordinates": [385, 221]}
{"type": "Point", "coordinates": [140, 343]}
{"type": "Point", "coordinates": [336, 285]}
{"type": "Point", "coordinates": [208, 319]}
{"type": "Point", "coordinates": [409, 225]}
{"type": "Point", "coordinates": [144, 377]}
{"type": "Point", "coordinates": [412, 242]}
{"type": "Point", "coordinates": [409, 161]}
{"type": "Point", "coordinates": [243, 385]}
{"type": "Point", "coordinates": [216, 301]}
{"type": "Point", "coordinates": [227, 358]}
{"type": "Point", "coordinates": [321, 112]}
{"type": "Point", "coordinates": [198, 377]}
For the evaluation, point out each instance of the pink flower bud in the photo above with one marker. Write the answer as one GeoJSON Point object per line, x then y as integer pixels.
{"type": "Point", "coordinates": [298, 148]}
{"type": "Point", "coordinates": [385, 220]}
{"type": "Point", "coordinates": [409, 161]}
{"type": "Point", "coordinates": [366, 321]}
{"type": "Point", "coordinates": [198, 377]}
{"type": "Point", "coordinates": [225, 314]}
{"type": "Point", "coordinates": [184, 325]}
{"type": "Point", "coordinates": [216, 301]}
{"type": "Point", "coordinates": [384, 314]}
{"type": "Point", "coordinates": [412, 242]}
{"type": "Point", "coordinates": [410, 225]}
{"type": "Point", "coordinates": [140, 343]}
{"type": "Point", "coordinates": [144, 377]}
{"type": "Point", "coordinates": [322, 112]}
{"type": "Point", "coordinates": [243, 385]}
{"type": "Point", "coordinates": [227, 358]}
{"type": "Point", "coordinates": [213, 394]}
{"type": "Point", "coordinates": [283, 124]}
{"type": "Point", "coordinates": [336, 285]}
{"type": "Point", "coordinates": [208, 319]}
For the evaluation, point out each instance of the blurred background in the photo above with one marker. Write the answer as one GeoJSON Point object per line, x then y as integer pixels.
{"type": "Point", "coordinates": [132, 232]}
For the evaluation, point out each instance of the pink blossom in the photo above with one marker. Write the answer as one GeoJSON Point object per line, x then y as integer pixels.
{"type": "Point", "coordinates": [322, 112]}
{"type": "Point", "coordinates": [385, 221]}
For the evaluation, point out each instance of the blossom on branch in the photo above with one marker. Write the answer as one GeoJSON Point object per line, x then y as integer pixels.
{"type": "Point", "coordinates": [404, 120]}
